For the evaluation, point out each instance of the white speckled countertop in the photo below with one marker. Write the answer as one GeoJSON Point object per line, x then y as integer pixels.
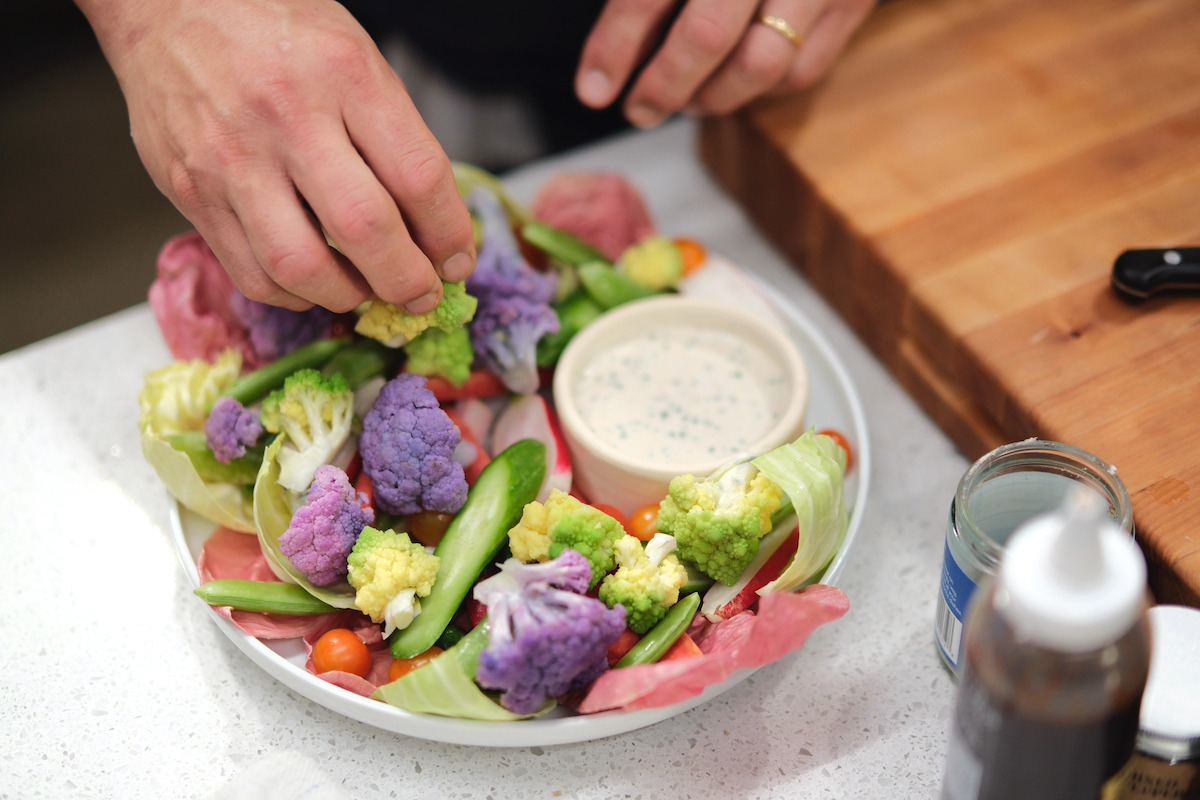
{"type": "Point", "coordinates": [114, 682]}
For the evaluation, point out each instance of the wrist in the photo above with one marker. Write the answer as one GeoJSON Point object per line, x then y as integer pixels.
{"type": "Point", "coordinates": [119, 24]}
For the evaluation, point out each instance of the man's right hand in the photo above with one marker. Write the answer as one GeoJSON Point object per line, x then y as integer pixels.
{"type": "Point", "coordinates": [267, 122]}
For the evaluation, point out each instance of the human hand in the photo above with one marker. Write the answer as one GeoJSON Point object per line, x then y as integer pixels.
{"type": "Point", "coordinates": [716, 56]}
{"type": "Point", "coordinates": [266, 121]}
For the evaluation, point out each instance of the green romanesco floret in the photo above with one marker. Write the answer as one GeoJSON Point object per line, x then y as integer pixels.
{"type": "Point", "coordinates": [445, 353]}
{"type": "Point", "coordinates": [563, 521]}
{"type": "Point", "coordinates": [647, 581]}
{"type": "Point", "coordinates": [394, 326]}
{"type": "Point", "coordinates": [718, 521]}
{"type": "Point", "coordinates": [315, 413]}
{"type": "Point", "coordinates": [389, 572]}
{"type": "Point", "coordinates": [654, 262]}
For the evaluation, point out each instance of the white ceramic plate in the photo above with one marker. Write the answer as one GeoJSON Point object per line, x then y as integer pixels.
{"type": "Point", "coordinates": [833, 403]}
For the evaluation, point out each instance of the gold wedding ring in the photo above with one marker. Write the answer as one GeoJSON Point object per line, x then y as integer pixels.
{"type": "Point", "coordinates": [781, 26]}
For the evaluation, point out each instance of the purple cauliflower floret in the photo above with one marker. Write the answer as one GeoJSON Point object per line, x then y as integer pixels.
{"type": "Point", "coordinates": [230, 429]}
{"type": "Point", "coordinates": [505, 334]}
{"type": "Point", "coordinates": [545, 637]}
{"type": "Point", "coordinates": [407, 448]}
{"type": "Point", "coordinates": [323, 531]}
{"type": "Point", "coordinates": [274, 331]}
{"type": "Point", "coordinates": [514, 301]}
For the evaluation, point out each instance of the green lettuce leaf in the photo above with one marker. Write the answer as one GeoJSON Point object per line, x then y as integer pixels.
{"type": "Point", "coordinates": [176, 399]}
{"type": "Point", "coordinates": [811, 471]}
{"type": "Point", "coordinates": [273, 506]}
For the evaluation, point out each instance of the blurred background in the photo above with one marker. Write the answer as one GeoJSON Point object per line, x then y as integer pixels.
{"type": "Point", "coordinates": [80, 221]}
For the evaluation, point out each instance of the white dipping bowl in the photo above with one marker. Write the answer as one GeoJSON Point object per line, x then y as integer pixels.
{"type": "Point", "coordinates": [673, 385]}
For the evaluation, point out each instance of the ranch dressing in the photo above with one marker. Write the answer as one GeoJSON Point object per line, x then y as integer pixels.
{"type": "Point", "coordinates": [675, 394]}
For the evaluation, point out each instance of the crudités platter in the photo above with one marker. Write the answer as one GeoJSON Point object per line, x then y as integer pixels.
{"type": "Point", "coordinates": [834, 403]}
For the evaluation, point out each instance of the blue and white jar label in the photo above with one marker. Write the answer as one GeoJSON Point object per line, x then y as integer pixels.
{"type": "Point", "coordinates": [957, 588]}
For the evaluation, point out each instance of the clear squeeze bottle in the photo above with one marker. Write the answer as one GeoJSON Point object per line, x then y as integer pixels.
{"type": "Point", "coordinates": [1055, 661]}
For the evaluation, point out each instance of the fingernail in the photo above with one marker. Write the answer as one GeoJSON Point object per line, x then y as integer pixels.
{"type": "Point", "coordinates": [423, 304]}
{"type": "Point", "coordinates": [458, 267]}
{"type": "Point", "coordinates": [594, 88]}
{"type": "Point", "coordinates": [644, 116]}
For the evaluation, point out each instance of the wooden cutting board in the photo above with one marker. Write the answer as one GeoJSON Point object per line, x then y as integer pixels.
{"type": "Point", "coordinates": [958, 189]}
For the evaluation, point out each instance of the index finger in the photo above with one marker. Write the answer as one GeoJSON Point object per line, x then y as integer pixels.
{"type": "Point", "coordinates": [624, 35]}
{"type": "Point", "coordinates": [406, 158]}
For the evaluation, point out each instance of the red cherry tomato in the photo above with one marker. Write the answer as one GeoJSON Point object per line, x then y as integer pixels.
{"type": "Point", "coordinates": [643, 523]}
{"type": "Point", "coordinates": [341, 650]}
{"type": "Point", "coordinates": [427, 527]}
{"type": "Point", "coordinates": [402, 666]}
{"type": "Point", "coordinates": [842, 442]}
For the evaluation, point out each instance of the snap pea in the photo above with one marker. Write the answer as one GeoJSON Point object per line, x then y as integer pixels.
{"type": "Point", "coordinates": [253, 386]}
{"type": "Point", "coordinates": [658, 640]}
{"type": "Point", "coordinates": [273, 597]}
{"type": "Point", "coordinates": [576, 311]}
{"type": "Point", "coordinates": [560, 244]}
{"type": "Point", "coordinates": [608, 287]}
{"type": "Point", "coordinates": [363, 360]}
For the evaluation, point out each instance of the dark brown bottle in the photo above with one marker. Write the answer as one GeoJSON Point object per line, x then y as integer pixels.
{"type": "Point", "coordinates": [1054, 666]}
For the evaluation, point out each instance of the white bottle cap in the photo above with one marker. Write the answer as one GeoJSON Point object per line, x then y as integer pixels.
{"type": "Point", "coordinates": [1072, 581]}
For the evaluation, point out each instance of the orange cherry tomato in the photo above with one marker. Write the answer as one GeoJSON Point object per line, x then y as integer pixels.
{"type": "Point", "coordinates": [402, 666]}
{"type": "Point", "coordinates": [842, 442]}
{"type": "Point", "coordinates": [427, 527]}
{"type": "Point", "coordinates": [643, 523]}
{"type": "Point", "coordinates": [613, 512]}
{"type": "Point", "coordinates": [693, 254]}
{"type": "Point", "coordinates": [341, 650]}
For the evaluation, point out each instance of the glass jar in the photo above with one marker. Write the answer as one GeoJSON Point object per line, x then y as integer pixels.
{"type": "Point", "coordinates": [1000, 491]}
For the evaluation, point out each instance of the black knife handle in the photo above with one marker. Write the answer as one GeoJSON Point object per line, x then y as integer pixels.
{"type": "Point", "coordinates": [1137, 274]}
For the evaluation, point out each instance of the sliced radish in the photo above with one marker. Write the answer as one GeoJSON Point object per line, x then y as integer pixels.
{"type": "Point", "coordinates": [529, 416]}
{"type": "Point", "coordinates": [775, 550]}
{"type": "Point", "coordinates": [476, 416]}
{"type": "Point", "coordinates": [723, 281]}
{"type": "Point", "coordinates": [469, 452]}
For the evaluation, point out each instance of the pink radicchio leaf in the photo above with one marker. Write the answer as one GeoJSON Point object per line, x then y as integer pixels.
{"type": "Point", "coordinates": [190, 298]}
{"type": "Point", "coordinates": [234, 555]}
{"type": "Point", "coordinates": [603, 209]}
{"type": "Point", "coordinates": [782, 625]}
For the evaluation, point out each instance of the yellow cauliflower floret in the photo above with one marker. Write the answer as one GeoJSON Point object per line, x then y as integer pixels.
{"type": "Point", "coordinates": [529, 539]}
{"type": "Point", "coordinates": [564, 522]}
{"type": "Point", "coordinates": [393, 326]}
{"type": "Point", "coordinates": [389, 571]}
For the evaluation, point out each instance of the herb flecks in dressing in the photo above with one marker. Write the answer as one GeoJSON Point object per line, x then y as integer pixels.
{"type": "Point", "coordinates": [675, 394]}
